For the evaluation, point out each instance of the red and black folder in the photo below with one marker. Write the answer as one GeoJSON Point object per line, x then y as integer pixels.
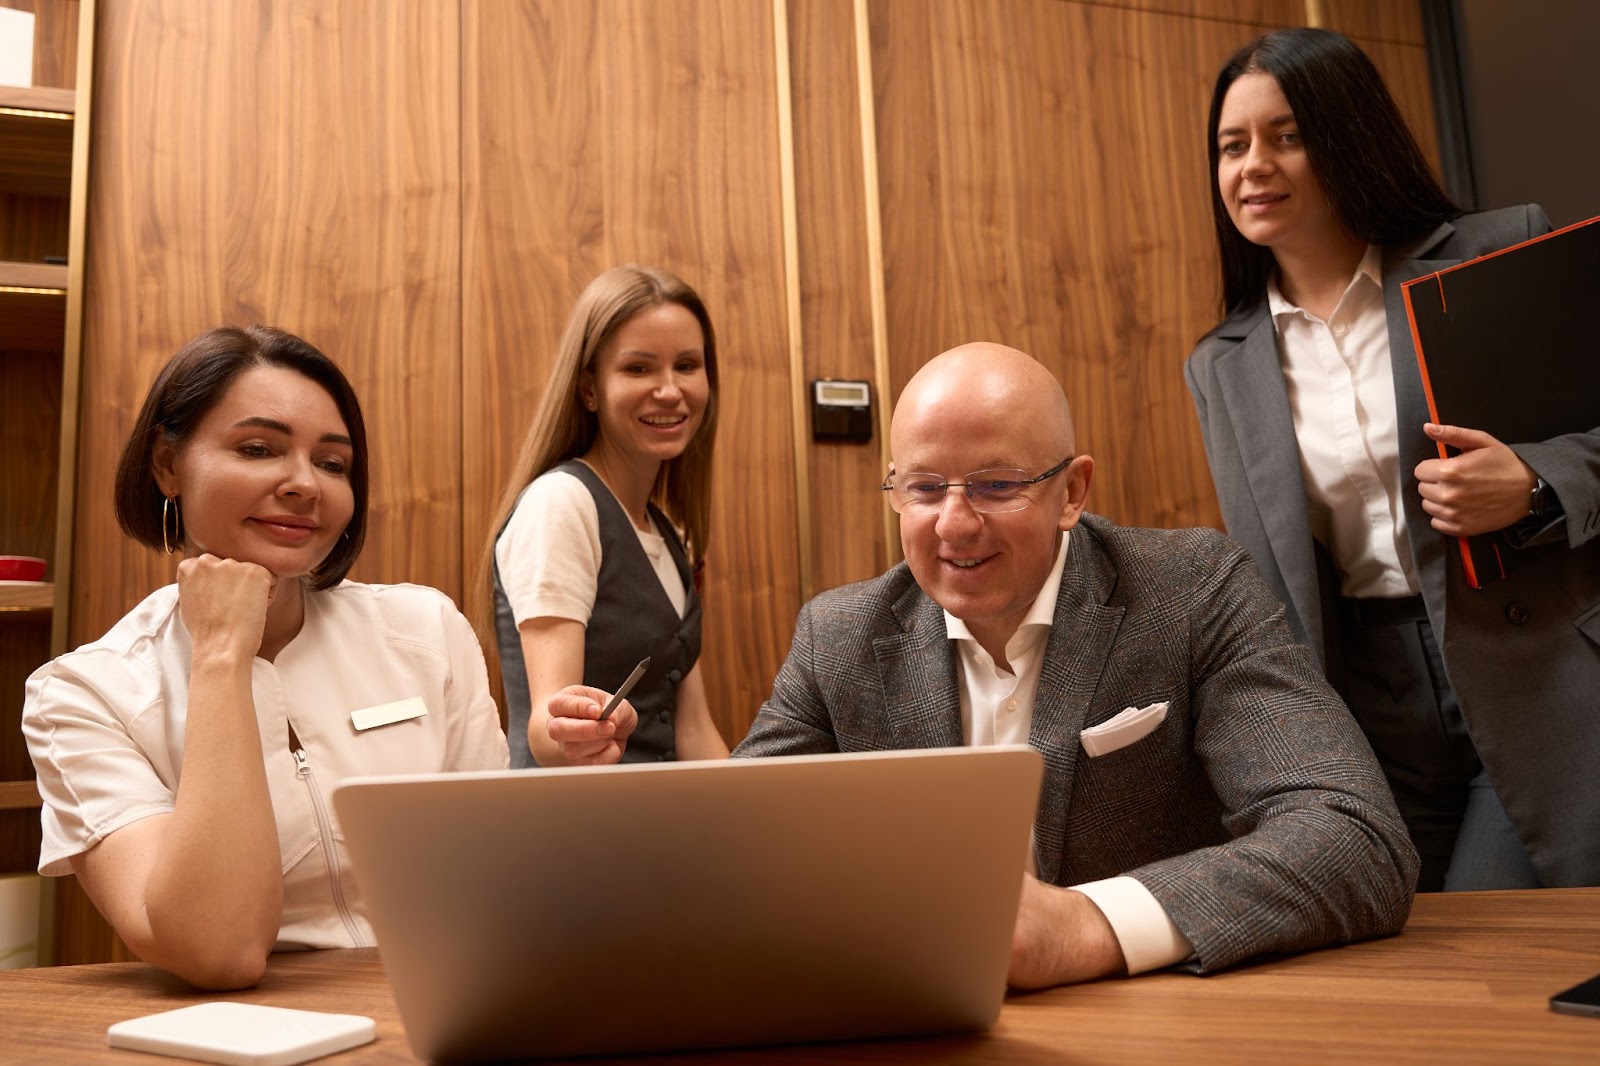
{"type": "Point", "coordinates": [1509, 343]}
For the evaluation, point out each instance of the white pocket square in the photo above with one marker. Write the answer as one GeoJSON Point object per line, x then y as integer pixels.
{"type": "Point", "coordinates": [1134, 723]}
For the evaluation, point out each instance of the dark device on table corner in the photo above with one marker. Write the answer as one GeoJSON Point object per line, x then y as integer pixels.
{"type": "Point", "coordinates": [1579, 999]}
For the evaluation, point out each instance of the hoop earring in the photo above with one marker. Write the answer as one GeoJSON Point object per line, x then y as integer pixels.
{"type": "Point", "coordinates": [171, 516]}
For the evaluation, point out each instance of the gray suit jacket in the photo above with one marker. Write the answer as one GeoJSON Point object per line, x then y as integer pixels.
{"type": "Point", "coordinates": [1255, 814]}
{"type": "Point", "coordinates": [1523, 653]}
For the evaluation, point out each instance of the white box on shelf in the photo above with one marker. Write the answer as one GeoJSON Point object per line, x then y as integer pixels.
{"type": "Point", "coordinates": [16, 47]}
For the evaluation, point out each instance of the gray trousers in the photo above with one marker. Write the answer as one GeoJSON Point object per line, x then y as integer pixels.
{"type": "Point", "coordinates": [1394, 682]}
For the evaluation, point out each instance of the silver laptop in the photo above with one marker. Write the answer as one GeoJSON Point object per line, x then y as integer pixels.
{"type": "Point", "coordinates": [585, 911]}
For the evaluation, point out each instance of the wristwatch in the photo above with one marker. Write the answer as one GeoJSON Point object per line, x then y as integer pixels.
{"type": "Point", "coordinates": [1542, 502]}
{"type": "Point", "coordinates": [1544, 508]}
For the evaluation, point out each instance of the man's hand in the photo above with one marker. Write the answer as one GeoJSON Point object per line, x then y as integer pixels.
{"type": "Point", "coordinates": [1060, 937]}
{"type": "Point", "coordinates": [585, 740]}
{"type": "Point", "coordinates": [1485, 488]}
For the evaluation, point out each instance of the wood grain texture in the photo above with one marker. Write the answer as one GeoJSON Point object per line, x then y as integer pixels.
{"type": "Point", "coordinates": [1391, 21]}
{"type": "Point", "coordinates": [31, 598]}
{"type": "Point", "coordinates": [30, 407]}
{"type": "Point", "coordinates": [1263, 13]}
{"type": "Point", "coordinates": [636, 131]}
{"type": "Point", "coordinates": [32, 227]}
{"type": "Point", "coordinates": [33, 323]}
{"type": "Point", "coordinates": [847, 529]}
{"type": "Point", "coordinates": [293, 164]}
{"type": "Point", "coordinates": [1044, 186]}
{"type": "Point", "coordinates": [35, 157]}
{"type": "Point", "coordinates": [1466, 982]}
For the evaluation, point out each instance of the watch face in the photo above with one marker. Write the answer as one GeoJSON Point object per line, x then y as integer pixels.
{"type": "Point", "coordinates": [1543, 498]}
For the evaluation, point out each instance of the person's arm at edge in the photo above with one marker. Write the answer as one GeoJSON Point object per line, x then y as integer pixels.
{"type": "Point", "coordinates": [199, 892]}
{"type": "Point", "coordinates": [1060, 937]}
{"type": "Point", "coordinates": [1254, 678]}
{"type": "Point", "coordinates": [552, 649]}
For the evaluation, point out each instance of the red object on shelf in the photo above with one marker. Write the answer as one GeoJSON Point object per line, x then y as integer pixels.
{"type": "Point", "coordinates": [21, 568]}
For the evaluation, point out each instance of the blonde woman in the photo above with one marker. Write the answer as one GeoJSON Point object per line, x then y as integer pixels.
{"type": "Point", "coordinates": [602, 530]}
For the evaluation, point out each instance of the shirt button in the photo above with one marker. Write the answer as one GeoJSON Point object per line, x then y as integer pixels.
{"type": "Point", "coordinates": [1011, 705]}
{"type": "Point", "coordinates": [670, 756]}
{"type": "Point", "coordinates": [664, 716]}
{"type": "Point", "coordinates": [1339, 329]}
{"type": "Point", "coordinates": [674, 676]}
{"type": "Point", "coordinates": [1517, 614]}
{"type": "Point", "coordinates": [683, 636]}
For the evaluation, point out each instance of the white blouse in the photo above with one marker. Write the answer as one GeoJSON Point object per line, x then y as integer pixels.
{"type": "Point", "coordinates": [105, 726]}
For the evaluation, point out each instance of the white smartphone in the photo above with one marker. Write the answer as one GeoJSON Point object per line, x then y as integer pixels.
{"type": "Point", "coordinates": [243, 1034]}
{"type": "Point", "coordinates": [1579, 999]}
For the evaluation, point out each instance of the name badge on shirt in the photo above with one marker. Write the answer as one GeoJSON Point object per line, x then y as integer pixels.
{"type": "Point", "coordinates": [388, 713]}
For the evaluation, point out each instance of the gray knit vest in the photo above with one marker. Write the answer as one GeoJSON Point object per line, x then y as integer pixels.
{"type": "Point", "coordinates": [632, 618]}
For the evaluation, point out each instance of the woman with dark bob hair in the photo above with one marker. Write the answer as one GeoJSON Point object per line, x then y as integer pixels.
{"type": "Point", "coordinates": [604, 523]}
{"type": "Point", "coordinates": [1478, 703]}
{"type": "Point", "coordinates": [185, 758]}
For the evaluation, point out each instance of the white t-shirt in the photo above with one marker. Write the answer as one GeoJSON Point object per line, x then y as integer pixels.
{"type": "Point", "coordinates": [549, 553]}
{"type": "Point", "coordinates": [105, 726]}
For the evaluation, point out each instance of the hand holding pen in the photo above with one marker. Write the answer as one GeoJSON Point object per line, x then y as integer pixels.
{"type": "Point", "coordinates": [627, 687]}
{"type": "Point", "coordinates": [592, 726]}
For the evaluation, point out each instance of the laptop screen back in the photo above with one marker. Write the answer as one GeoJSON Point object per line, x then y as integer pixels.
{"type": "Point", "coordinates": [603, 910]}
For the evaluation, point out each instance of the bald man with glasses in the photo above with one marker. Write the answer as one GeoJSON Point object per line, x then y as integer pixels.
{"type": "Point", "coordinates": [1206, 795]}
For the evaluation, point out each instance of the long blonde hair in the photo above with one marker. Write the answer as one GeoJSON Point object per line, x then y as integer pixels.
{"type": "Point", "coordinates": [564, 429]}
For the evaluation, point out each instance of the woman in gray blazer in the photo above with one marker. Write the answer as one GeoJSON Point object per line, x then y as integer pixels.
{"type": "Point", "coordinates": [1480, 704]}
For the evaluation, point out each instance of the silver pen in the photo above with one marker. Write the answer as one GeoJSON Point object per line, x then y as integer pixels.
{"type": "Point", "coordinates": [627, 687]}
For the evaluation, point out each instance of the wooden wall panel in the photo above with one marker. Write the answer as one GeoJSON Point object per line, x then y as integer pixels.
{"type": "Point", "coordinates": [1254, 12]}
{"type": "Point", "coordinates": [1044, 185]}
{"type": "Point", "coordinates": [294, 164]}
{"type": "Point", "coordinates": [636, 131]}
{"type": "Point", "coordinates": [1393, 21]}
{"type": "Point", "coordinates": [423, 189]}
{"type": "Point", "coordinates": [847, 527]}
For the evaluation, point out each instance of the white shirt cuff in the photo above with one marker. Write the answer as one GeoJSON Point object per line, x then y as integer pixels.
{"type": "Point", "coordinates": [1147, 936]}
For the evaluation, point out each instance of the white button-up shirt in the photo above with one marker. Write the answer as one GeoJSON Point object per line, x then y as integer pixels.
{"type": "Point", "coordinates": [1341, 395]}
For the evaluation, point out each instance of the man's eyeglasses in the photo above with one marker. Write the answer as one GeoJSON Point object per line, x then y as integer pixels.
{"type": "Point", "coordinates": [991, 491]}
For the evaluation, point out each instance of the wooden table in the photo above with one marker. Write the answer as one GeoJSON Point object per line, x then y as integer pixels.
{"type": "Point", "coordinates": [1468, 981]}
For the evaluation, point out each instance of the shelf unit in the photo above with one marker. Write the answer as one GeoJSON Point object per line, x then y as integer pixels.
{"type": "Point", "coordinates": [44, 141]}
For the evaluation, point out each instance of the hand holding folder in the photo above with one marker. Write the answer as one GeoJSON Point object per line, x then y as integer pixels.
{"type": "Point", "coordinates": [1509, 344]}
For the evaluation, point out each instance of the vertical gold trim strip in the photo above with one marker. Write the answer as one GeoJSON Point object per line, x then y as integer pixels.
{"type": "Point", "coordinates": [880, 314]}
{"type": "Point", "coordinates": [71, 399]}
{"type": "Point", "coordinates": [1314, 16]}
{"type": "Point", "coordinates": [791, 298]}
{"type": "Point", "coordinates": [72, 349]}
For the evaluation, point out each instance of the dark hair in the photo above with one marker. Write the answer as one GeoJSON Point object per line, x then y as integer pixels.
{"type": "Point", "coordinates": [1360, 150]}
{"type": "Point", "coordinates": [190, 385]}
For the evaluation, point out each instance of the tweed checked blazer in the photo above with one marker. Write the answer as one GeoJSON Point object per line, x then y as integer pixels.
{"type": "Point", "coordinates": [1522, 653]}
{"type": "Point", "coordinates": [1255, 814]}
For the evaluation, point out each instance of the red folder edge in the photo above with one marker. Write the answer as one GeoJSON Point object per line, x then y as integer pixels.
{"type": "Point", "coordinates": [1433, 411]}
{"type": "Point", "coordinates": [1437, 277]}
